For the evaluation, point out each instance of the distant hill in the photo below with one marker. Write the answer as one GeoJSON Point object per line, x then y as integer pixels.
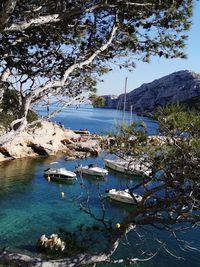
{"type": "Point", "coordinates": [182, 86]}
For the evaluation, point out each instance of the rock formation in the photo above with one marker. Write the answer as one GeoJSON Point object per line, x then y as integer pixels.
{"type": "Point", "coordinates": [181, 86]}
{"type": "Point", "coordinates": [47, 140]}
{"type": "Point", "coordinates": [51, 243]}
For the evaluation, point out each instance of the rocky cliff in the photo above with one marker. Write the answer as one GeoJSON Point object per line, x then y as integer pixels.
{"type": "Point", "coordinates": [47, 140]}
{"type": "Point", "coordinates": [181, 86]}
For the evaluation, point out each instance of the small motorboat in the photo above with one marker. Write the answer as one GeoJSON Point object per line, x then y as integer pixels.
{"type": "Point", "coordinates": [126, 167]}
{"type": "Point", "coordinates": [91, 169]}
{"type": "Point", "coordinates": [124, 196]}
{"type": "Point", "coordinates": [59, 174]}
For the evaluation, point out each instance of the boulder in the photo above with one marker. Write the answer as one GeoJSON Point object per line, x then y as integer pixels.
{"type": "Point", "coordinates": [48, 139]}
{"type": "Point", "coordinates": [4, 158]}
{"type": "Point", "coordinates": [44, 140]}
{"type": "Point", "coordinates": [51, 243]}
{"type": "Point", "coordinates": [77, 155]}
{"type": "Point", "coordinates": [90, 146]}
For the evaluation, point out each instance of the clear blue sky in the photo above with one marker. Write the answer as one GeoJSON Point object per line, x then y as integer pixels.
{"type": "Point", "coordinates": [158, 67]}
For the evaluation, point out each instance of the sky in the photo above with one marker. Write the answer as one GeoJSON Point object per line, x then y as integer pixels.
{"type": "Point", "coordinates": [158, 67]}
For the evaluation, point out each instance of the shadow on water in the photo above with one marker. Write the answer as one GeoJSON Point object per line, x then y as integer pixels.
{"type": "Point", "coordinates": [119, 205]}
{"type": "Point", "coordinates": [18, 173]}
{"type": "Point", "coordinates": [91, 179]}
{"type": "Point", "coordinates": [61, 181]}
{"type": "Point", "coordinates": [125, 176]}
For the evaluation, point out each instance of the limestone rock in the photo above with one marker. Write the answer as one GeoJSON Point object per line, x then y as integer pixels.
{"type": "Point", "coordinates": [4, 158]}
{"type": "Point", "coordinates": [52, 243]}
{"type": "Point", "coordinates": [90, 146]}
{"type": "Point", "coordinates": [181, 86]}
{"type": "Point", "coordinates": [47, 140]}
{"type": "Point", "coordinates": [44, 140]}
{"type": "Point", "coordinates": [77, 155]}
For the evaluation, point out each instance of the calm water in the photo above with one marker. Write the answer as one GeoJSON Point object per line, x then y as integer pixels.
{"type": "Point", "coordinates": [30, 206]}
{"type": "Point", "coordinates": [100, 120]}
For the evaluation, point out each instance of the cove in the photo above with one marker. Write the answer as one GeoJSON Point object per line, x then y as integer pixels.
{"type": "Point", "coordinates": [30, 206]}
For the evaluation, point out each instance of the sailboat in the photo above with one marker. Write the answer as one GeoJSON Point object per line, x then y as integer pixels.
{"type": "Point", "coordinates": [128, 166]}
{"type": "Point", "coordinates": [122, 105]}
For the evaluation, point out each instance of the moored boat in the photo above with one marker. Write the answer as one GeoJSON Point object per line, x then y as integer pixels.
{"type": "Point", "coordinates": [60, 174]}
{"type": "Point", "coordinates": [91, 169]}
{"type": "Point", "coordinates": [124, 196]}
{"type": "Point", "coordinates": [127, 167]}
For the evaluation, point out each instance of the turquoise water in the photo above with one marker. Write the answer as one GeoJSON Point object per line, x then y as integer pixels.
{"type": "Point", "coordinates": [31, 206]}
{"type": "Point", "coordinates": [100, 120]}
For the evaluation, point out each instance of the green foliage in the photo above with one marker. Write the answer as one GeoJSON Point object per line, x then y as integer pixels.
{"type": "Point", "coordinates": [32, 116]}
{"type": "Point", "coordinates": [83, 27]}
{"type": "Point", "coordinates": [97, 101]}
{"type": "Point", "coordinates": [5, 119]}
{"type": "Point", "coordinates": [174, 159]}
{"type": "Point", "coordinates": [10, 101]}
{"type": "Point", "coordinates": [128, 139]}
{"type": "Point", "coordinates": [11, 108]}
{"type": "Point", "coordinates": [177, 120]}
{"type": "Point", "coordinates": [77, 42]}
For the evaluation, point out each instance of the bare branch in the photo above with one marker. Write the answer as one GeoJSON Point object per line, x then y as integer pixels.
{"type": "Point", "coordinates": [33, 22]}
{"type": "Point", "coordinates": [59, 17]}
{"type": "Point", "coordinates": [61, 83]}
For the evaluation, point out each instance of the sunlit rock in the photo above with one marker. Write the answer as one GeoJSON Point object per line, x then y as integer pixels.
{"type": "Point", "coordinates": [52, 243]}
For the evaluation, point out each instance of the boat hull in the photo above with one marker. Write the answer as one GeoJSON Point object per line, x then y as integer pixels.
{"type": "Point", "coordinates": [60, 174]}
{"type": "Point", "coordinates": [124, 167]}
{"type": "Point", "coordinates": [58, 177]}
{"type": "Point", "coordinates": [92, 171]}
{"type": "Point", "coordinates": [123, 196]}
{"type": "Point", "coordinates": [116, 167]}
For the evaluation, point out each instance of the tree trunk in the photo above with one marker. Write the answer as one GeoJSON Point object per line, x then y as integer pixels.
{"type": "Point", "coordinates": [19, 124]}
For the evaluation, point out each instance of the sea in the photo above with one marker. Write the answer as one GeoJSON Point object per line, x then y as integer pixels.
{"type": "Point", "coordinates": [30, 206]}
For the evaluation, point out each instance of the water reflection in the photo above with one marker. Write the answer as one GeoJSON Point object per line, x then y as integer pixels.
{"type": "Point", "coordinates": [16, 174]}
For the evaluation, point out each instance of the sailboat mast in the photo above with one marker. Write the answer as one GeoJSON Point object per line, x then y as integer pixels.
{"type": "Point", "coordinates": [131, 114]}
{"type": "Point", "coordinates": [124, 108]}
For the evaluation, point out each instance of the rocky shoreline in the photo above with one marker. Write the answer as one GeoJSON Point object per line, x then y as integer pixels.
{"type": "Point", "coordinates": [49, 139]}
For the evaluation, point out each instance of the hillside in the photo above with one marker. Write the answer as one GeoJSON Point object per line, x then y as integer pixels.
{"type": "Point", "coordinates": [182, 86]}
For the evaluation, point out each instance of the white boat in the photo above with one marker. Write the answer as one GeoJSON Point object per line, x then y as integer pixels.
{"type": "Point", "coordinates": [59, 174]}
{"type": "Point", "coordinates": [124, 196]}
{"type": "Point", "coordinates": [126, 167]}
{"type": "Point", "coordinates": [91, 169]}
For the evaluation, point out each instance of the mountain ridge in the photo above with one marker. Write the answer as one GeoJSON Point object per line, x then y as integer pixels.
{"type": "Point", "coordinates": [181, 86]}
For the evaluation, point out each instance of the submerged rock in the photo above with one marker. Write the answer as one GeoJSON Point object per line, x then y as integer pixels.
{"type": "Point", "coordinates": [51, 243]}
